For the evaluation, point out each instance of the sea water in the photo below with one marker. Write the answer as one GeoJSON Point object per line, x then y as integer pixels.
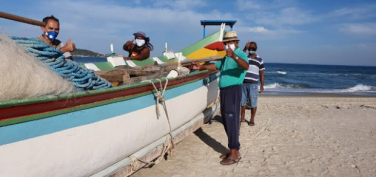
{"type": "Point", "coordinates": [306, 78]}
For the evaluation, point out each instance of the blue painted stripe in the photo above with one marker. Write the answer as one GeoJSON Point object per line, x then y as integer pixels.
{"type": "Point", "coordinates": [31, 129]}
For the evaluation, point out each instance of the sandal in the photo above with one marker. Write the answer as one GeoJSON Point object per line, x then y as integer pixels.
{"type": "Point", "coordinates": [230, 161]}
{"type": "Point", "coordinates": [251, 124]}
{"type": "Point", "coordinates": [224, 156]}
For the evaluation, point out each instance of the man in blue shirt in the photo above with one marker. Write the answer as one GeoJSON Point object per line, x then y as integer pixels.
{"type": "Point", "coordinates": [232, 69]}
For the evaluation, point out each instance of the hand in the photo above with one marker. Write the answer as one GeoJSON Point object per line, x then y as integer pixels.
{"type": "Point", "coordinates": [69, 46]}
{"type": "Point", "coordinates": [248, 45]}
{"type": "Point", "coordinates": [195, 66]}
{"type": "Point", "coordinates": [229, 52]}
{"type": "Point", "coordinates": [261, 89]}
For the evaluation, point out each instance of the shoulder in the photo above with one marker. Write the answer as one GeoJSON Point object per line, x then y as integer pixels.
{"type": "Point", "coordinates": [39, 38]}
{"type": "Point", "coordinates": [241, 54]}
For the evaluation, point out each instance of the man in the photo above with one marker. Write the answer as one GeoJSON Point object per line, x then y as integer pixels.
{"type": "Point", "coordinates": [250, 84]}
{"type": "Point", "coordinates": [232, 71]}
{"type": "Point", "coordinates": [50, 32]}
{"type": "Point", "coordinates": [139, 48]}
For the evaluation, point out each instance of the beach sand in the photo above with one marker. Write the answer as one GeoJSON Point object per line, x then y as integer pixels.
{"type": "Point", "coordinates": [293, 136]}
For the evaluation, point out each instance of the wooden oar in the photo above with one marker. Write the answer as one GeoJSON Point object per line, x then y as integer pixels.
{"type": "Point", "coordinates": [21, 19]}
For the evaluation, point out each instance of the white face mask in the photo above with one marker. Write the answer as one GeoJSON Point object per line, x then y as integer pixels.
{"type": "Point", "coordinates": [140, 42]}
{"type": "Point", "coordinates": [252, 52]}
{"type": "Point", "coordinates": [232, 47]}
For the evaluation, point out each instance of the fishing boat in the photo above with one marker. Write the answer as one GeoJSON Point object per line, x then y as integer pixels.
{"type": "Point", "coordinates": [113, 131]}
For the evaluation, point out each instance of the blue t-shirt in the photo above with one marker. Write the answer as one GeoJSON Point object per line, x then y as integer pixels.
{"type": "Point", "coordinates": [230, 72]}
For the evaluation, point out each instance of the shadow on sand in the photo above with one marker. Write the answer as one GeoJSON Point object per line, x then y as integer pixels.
{"type": "Point", "coordinates": [211, 142]}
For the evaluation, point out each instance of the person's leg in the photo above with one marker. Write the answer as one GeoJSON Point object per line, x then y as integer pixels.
{"type": "Point", "coordinates": [253, 114]}
{"type": "Point", "coordinates": [242, 117]}
{"type": "Point", "coordinates": [253, 101]}
{"type": "Point", "coordinates": [243, 101]}
{"type": "Point", "coordinates": [232, 115]}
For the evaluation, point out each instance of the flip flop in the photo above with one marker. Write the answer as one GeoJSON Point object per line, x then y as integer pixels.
{"type": "Point", "coordinates": [230, 161]}
{"type": "Point", "coordinates": [224, 156]}
{"type": "Point", "coordinates": [251, 124]}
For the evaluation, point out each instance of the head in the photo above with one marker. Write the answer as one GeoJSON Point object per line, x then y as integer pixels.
{"type": "Point", "coordinates": [252, 49]}
{"type": "Point", "coordinates": [253, 46]}
{"type": "Point", "coordinates": [51, 28]}
{"type": "Point", "coordinates": [231, 39]}
{"type": "Point", "coordinates": [141, 40]}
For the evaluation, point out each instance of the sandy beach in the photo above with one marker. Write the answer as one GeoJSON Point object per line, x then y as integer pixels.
{"type": "Point", "coordinates": [293, 136]}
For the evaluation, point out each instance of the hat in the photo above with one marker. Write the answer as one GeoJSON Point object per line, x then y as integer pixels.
{"type": "Point", "coordinates": [230, 36]}
{"type": "Point", "coordinates": [140, 34]}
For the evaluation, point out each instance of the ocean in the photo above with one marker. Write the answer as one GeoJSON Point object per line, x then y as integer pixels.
{"type": "Point", "coordinates": [283, 78]}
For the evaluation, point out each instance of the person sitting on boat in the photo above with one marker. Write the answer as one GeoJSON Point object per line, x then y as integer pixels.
{"type": "Point", "coordinates": [232, 69]}
{"type": "Point", "coordinates": [139, 48]}
{"type": "Point", "coordinates": [50, 32]}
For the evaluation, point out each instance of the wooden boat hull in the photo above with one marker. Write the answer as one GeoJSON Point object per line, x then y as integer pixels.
{"type": "Point", "coordinates": [85, 134]}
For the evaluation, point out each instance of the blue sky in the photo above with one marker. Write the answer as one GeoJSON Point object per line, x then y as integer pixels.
{"type": "Point", "coordinates": [339, 32]}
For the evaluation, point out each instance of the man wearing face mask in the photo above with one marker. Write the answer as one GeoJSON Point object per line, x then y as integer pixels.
{"type": "Point", "coordinates": [50, 32]}
{"type": "Point", "coordinates": [232, 69]}
{"type": "Point", "coordinates": [250, 84]}
{"type": "Point", "coordinates": [139, 48]}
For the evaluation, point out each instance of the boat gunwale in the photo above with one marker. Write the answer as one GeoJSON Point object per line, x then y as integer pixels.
{"type": "Point", "coordinates": [38, 108]}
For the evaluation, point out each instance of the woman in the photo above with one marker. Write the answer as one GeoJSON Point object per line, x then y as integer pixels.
{"type": "Point", "coordinates": [139, 48]}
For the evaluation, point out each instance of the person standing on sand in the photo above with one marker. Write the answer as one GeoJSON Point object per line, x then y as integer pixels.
{"type": "Point", "coordinates": [232, 72]}
{"type": "Point", "coordinates": [50, 32]}
{"type": "Point", "coordinates": [250, 84]}
{"type": "Point", "coordinates": [139, 48]}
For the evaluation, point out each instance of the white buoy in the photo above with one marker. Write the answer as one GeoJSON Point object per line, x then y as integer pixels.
{"type": "Point", "coordinates": [112, 48]}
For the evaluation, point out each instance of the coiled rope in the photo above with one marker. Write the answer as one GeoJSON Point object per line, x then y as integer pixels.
{"type": "Point", "coordinates": [78, 75]}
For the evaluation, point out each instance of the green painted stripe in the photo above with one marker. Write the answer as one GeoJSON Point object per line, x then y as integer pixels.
{"type": "Point", "coordinates": [148, 61]}
{"type": "Point", "coordinates": [201, 44]}
{"type": "Point", "coordinates": [104, 66]}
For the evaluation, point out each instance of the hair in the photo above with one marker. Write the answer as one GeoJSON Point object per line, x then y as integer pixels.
{"type": "Point", "coordinates": [254, 44]}
{"type": "Point", "coordinates": [45, 19]}
{"type": "Point", "coordinates": [148, 44]}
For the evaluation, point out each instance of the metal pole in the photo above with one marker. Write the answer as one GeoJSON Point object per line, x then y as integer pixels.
{"type": "Point", "coordinates": [21, 19]}
{"type": "Point", "coordinates": [204, 31]}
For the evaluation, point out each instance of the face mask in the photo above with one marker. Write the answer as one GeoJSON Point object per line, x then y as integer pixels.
{"type": "Point", "coordinates": [140, 42]}
{"type": "Point", "coordinates": [232, 47]}
{"type": "Point", "coordinates": [252, 52]}
{"type": "Point", "coordinates": [51, 35]}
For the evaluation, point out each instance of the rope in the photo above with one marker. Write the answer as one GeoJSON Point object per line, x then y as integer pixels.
{"type": "Point", "coordinates": [78, 75]}
{"type": "Point", "coordinates": [159, 94]}
{"type": "Point", "coordinates": [135, 164]}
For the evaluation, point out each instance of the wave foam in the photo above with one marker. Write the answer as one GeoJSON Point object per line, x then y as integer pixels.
{"type": "Point", "coordinates": [282, 72]}
{"type": "Point", "coordinates": [359, 88]}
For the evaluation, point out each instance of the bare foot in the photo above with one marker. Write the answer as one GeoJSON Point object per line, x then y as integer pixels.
{"type": "Point", "coordinates": [251, 124]}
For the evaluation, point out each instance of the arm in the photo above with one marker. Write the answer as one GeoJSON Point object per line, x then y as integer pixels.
{"type": "Point", "coordinates": [145, 53]}
{"type": "Point", "coordinates": [261, 72]}
{"type": "Point", "coordinates": [239, 61]}
{"type": "Point", "coordinates": [204, 67]}
{"type": "Point", "coordinates": [128, 46]}
{"type": "Point", "coordinates": [246, 47]}
{"type": "Point", "coordinates": [68, 47]}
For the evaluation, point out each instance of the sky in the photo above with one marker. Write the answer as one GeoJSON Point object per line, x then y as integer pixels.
{"type": "Point", "coordinates": [335, 32]}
